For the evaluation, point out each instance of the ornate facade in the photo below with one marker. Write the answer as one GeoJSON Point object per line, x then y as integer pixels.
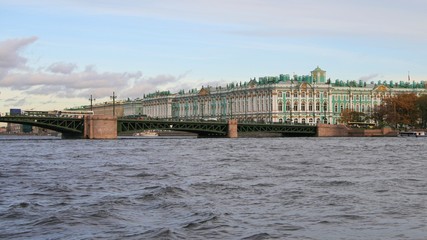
{"type": "Point", "coordinates": [299, 99]}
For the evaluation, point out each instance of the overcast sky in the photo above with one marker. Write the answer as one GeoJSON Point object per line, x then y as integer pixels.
{"type": "Point", "coordinates": [56, 53]}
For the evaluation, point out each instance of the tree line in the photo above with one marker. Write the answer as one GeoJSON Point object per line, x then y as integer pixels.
{"type": "Point", "coordinates": [400, 111]}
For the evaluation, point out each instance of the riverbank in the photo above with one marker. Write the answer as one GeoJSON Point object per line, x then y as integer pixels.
{"type": "Point", "coordinates": [326, 130]}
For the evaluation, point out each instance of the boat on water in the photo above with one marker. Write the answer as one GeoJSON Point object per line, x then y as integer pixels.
{"type": "Point", "coordinates": [146, 134]}
{"type": "Point", "coordinates": [164, 134]}
{"type": "Point", "coordinates": [413, 134]}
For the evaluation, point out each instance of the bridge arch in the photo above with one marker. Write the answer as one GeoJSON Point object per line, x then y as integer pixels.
{"type": "Point", "coordinates": [200, 128]}
{"type": "Point", "coordinates": [69, 127]}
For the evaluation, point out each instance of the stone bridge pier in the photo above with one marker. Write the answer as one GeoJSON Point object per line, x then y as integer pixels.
{"type": "Point", "coordinates": [232, 129]}
{"type": "Point", "coordinates": [100, 127]}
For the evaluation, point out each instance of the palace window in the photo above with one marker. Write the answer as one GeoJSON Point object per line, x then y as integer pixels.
{"type": "Point", "coordinates": [288, 106]}
{"type": "Point", "coordinates": [303, 94]}
{"type": "Point", "coordinates": [295, 94]}
{"type": "Point", "coordinates": [295, 106]}
{"type": "Point", "coordinates": [262, 104]}
{"type": "Point", "coordinates": [238, 105]}
{"type": "Point", "coordinates": [280, 106]}
{"type": "Point", "coordinates": [303, 121]}
{"type": "Point", "coordinates": [317, 106]}
{"type": "Point", "coordinates": [310, 106]}
{"type": "Point", "coordinates": [303, 106]}
{"type": "Point", "coordinates": [288, 94]}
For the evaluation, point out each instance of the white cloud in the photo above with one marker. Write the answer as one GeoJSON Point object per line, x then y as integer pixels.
{"type": "Point", "coordinates": [61, 67]}
{"type": "Point", "coordinates": [65, 80]}
{"type": "Point", "coordinates": [9, 54]}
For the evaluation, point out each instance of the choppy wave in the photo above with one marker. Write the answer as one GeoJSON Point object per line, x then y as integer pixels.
{"type": "Point", "coordinates": [267, 188]}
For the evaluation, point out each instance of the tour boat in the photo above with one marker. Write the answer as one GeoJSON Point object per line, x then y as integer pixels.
{"type": "Point", "coordinates": [147, 134]}
{"type": "Point", "coordinates": [413, 134]}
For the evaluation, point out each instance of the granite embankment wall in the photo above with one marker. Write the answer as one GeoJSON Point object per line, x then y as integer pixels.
{"type": "Point", "coordinates": [326, 130]}
{"type": "Point", "coordinates": [383, 132]}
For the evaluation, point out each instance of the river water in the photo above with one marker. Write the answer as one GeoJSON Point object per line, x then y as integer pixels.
{"type": "Point", "coordinates": [248, 188]}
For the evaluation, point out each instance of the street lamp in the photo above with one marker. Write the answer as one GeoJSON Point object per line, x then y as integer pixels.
{"type": "Point", "coordinates": [114, 103]}
{"type": "Point", "coordinates": [91, 99]}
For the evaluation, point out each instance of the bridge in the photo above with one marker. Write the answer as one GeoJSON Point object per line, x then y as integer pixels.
{"type": "Point", "coordinates": [69, 127]}
{"type": "Point", "coordinates": [108, 127]}
{"type": "Point", "coordinates": [213, 128]}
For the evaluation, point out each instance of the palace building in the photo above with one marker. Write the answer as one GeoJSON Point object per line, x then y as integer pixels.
{"type": "Point", "coordinates": [308, 99]}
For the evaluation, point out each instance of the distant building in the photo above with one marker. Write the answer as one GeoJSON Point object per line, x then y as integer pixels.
{"type": "Point", "coordinates": [121, 108]}
{"type": "Point", "coordinates": [298, 99]}
{"type": "Point", "coordinates": [17, 128]}
{"type": "Point", "coordinates": [14, 128]}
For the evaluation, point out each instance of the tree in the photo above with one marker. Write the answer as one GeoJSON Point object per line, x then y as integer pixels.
{"type": "Point", "coordinates": [378, 114]}
{"type": "Point", "coordinates": [406, 109]}
{"type": "Point", "coordinates": [422, 107]}
{"type": "Point", "coordinates": [348, 115]}
{"type": "Point", "coordinates": [397, 110]}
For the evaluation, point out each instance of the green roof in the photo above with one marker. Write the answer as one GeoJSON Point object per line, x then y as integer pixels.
{"type": "Point", "coordinates": [318, 69]}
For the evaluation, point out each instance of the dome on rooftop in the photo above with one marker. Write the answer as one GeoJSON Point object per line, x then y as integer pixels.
{"type": "Point", "coordinates": [318, 69]}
